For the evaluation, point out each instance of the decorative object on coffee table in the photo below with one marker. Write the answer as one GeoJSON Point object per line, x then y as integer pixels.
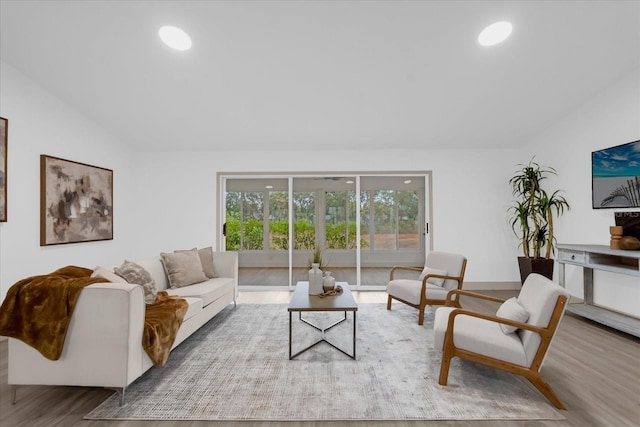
{"type": "Point", "coordinates": [328, 282]}
{"type": "Point", "coordinates": [76, 202]}
{"type": "Point", "coordinates": [315, 280]}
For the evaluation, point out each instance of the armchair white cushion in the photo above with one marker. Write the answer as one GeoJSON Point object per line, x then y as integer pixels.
{"type": "Point", "coordinates": [442, 272]}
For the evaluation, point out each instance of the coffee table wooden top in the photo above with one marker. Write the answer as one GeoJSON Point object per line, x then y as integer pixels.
{"type": "Point", "coordinates": [302, 301]}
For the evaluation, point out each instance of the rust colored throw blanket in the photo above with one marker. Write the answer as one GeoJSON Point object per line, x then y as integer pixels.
{"type": "Point", "coordinates": [37, 310]}
{"type": "Point", "coordinates": [162, 319]}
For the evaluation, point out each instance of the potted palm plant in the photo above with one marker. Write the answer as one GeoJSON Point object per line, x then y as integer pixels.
{"type": "Point", "coordinates": [531, 218]}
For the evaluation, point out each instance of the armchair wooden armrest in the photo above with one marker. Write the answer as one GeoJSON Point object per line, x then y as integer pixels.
{"type": "Point", "coordinates": [400, 267]}
{"type": "Point", "coordinates": [439, 276]}
{"type": "Point", "coordinates": [458, 292]}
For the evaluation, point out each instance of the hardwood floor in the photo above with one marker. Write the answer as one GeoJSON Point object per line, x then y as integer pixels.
{"type": "Point", "coordinates": [593, 369]}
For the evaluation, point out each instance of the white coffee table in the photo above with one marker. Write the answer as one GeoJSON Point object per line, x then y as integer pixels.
{"type": "Point", "coordinates": [301, 302]}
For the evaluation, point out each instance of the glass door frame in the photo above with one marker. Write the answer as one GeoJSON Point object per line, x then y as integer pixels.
{"type": "Point", "coordinates": [426, 229]}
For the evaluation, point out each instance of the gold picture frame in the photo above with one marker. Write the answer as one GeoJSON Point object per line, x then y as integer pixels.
{"type": "Point", "coordinates": [76, 202]}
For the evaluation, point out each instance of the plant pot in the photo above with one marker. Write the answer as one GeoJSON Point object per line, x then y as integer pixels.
{"type": "Point", "coordinates": [541, 266]}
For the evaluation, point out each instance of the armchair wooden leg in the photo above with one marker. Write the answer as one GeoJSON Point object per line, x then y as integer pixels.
{"type": "Point", "coordinates": [421, 315]}
{"type": "Point", "coordinates": [444, 369]}
{"type": "Point", "coordinates": [389, 302]}
{"type": "Point", "coordinates": [544, 388]}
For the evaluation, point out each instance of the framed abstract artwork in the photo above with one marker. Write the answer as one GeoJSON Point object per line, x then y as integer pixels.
{"type": "Point", "coordinates": [4, 128]}
{"type": "Point", "coordinates": [76, 202]}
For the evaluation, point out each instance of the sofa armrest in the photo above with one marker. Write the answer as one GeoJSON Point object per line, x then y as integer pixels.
{"type": "Point", "coordinates": [225, 264]}
{"type": "Point", "coordinates": [102, 346]}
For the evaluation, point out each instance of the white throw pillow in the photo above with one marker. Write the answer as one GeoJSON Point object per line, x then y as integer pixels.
{"type": "Point", "coordinates": [106, 273]}
{"type": "Point", "coordinates": [512, 310]}
{"type": "Point", "coordinates": [433, 280]}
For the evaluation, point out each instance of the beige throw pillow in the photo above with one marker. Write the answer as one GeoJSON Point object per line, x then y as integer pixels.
{"type": "Point", "coordinates": [206, 259]}
{"type": "Point", "coordinates": [136, 274]}
{"type": "Point", "coordinates": [183, 268]}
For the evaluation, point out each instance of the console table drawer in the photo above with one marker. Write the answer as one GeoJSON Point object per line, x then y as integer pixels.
{"type": "Point", "coordinates": [573, 256]}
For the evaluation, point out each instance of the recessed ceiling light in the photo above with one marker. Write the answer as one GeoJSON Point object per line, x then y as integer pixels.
{"type": "Point", "coordinates": [349, 182]}
{"type": "Point", "coordinates": [268, 186]}
{"type": "Point", "coordinates": [175, 38]}
{"type": "Point", "coordinates": [495, 33]}
{"type": "Point", "coordinates": [407, 181]}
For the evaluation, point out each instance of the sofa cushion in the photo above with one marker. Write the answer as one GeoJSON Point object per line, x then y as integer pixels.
{"type": "Point", "coordinates": [478, 336]}
{"type": "Point", "coordinates": [183, 268]}
{"type": "Point", "coordinates": [409, 290]}
{"type": "Point", "coordinates": [206, 259]}
{"type": "Point", "coordinates": [512, 310]}
{"type": "Point", "coordinates": [209, 291]}
{"type": "Point", "coordinates": [195, 306]}
{"type": "Point", "coordinates": [136, 274]}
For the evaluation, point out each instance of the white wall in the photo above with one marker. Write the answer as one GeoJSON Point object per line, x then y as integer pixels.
{"type": "Point", "coordinates": [470, 197]}
{"type": "Point", "coordinates": [41, 124]}
{"type": "Point", "coordinates": [610, 118]}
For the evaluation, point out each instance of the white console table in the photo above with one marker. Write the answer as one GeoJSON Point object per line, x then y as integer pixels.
{"type": "Point", "coordinates": [600, 257]}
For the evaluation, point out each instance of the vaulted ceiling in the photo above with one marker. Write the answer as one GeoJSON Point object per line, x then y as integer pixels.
{"type": "Point", "coordinates": [322, 74]}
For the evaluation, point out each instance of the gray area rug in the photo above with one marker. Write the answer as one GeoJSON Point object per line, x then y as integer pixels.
{"type": "Point", "coordinates": [237, 367]}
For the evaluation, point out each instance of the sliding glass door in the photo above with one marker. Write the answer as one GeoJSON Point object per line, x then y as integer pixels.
{"type": "Point", "coordinates": [361, 225]}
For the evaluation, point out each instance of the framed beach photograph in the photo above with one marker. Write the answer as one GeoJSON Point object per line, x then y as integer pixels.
{"type": "Point", "coordinates": [615, 176]}
{"type": "Point", "coordinates": [4, 124]}
{"type": "Point", "coordinates": [76, 202]}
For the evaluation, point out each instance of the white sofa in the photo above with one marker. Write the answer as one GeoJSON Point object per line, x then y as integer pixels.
{"type": "Point", "coordinates": [103, 346]}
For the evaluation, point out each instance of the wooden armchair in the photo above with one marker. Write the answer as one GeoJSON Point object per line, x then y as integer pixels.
{"type": "Point", "coordinates": [517, 346]}
{"type": "Point", "coordinates": [442, 272]}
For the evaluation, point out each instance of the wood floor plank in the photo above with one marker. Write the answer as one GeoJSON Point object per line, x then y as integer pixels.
{"type": "Point", "coordinates": [593, 369]}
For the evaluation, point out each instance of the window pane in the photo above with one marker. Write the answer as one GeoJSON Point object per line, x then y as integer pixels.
{"type": "Point", "coordinates": [232, 240]}
{"type": "Point", "coordinates": [408, 220]}
{"type": "Point", "coordinates": [336, 220]}
{"type": "Point", "coordinates": [384, 219]}
{"type": "Point", "coordinates": [340, 220]}
{"type": "Point", "coordinates": [278, 220]}
{"type": "Point", "coordinates": [365, 219]}
{"type": "Point", "coordinates": [303, 216]}
{"type": "Point", "coordinates": [252, 224]}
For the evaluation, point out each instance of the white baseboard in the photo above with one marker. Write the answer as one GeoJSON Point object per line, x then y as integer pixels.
{"type": "Point", "coordinates": [491, 286]}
